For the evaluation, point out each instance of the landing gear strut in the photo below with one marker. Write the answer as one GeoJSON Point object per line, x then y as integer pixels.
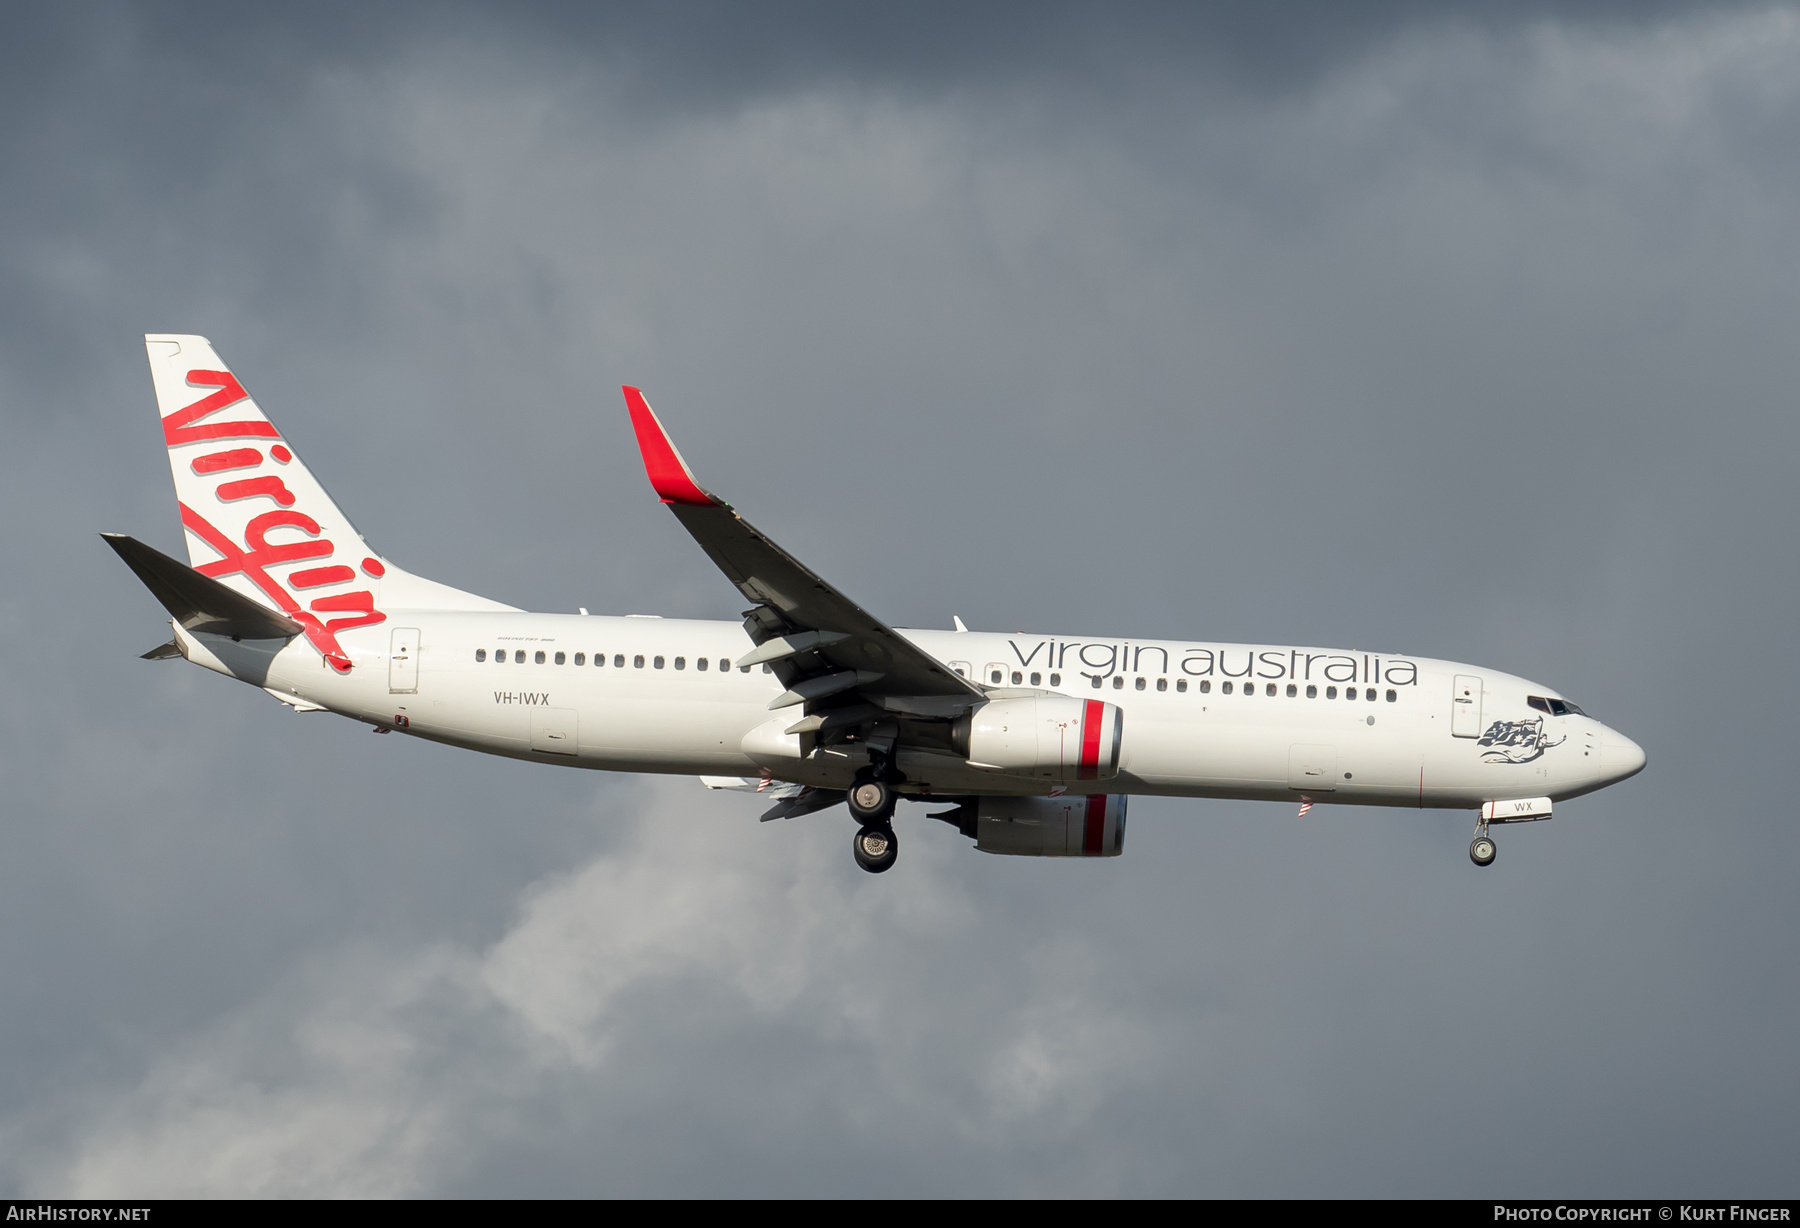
{"type": "Point", "coordinates": [1482, 850]}
{"type": "Point", "coordinates": [875, 847]}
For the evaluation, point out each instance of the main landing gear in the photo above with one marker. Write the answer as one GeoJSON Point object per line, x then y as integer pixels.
{"type": "Point", "coordinates": [875, 848]}
{"type": "Point", "coordinates": [1482, 849]}
{"type": "Point", "coordinates": [871, 800]}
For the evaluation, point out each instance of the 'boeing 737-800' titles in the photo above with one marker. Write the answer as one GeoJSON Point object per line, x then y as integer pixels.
{"type": "Point", "coordinates": [1029, 744]}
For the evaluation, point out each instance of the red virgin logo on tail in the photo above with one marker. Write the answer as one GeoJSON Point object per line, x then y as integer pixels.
{"type": "Point", "coordinates": [257, 554]}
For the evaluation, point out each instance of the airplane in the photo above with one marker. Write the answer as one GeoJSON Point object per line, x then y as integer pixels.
{"type": "Point", "coordinates": [1032, 742]}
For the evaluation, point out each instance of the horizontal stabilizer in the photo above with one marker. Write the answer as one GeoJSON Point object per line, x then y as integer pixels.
{"type": "Point", "coordinates": [200, 603]}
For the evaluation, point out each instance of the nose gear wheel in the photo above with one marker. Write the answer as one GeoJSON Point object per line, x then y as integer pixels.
{"type": "Point", "coordinates": [1483, 850]}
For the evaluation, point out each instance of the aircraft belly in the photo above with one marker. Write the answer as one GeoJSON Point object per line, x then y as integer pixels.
{"type": "Point", "coordinates": [653, 734]}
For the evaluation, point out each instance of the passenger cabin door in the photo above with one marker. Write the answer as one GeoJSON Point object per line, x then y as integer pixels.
{"type": "Point", "coordinates": [403, 661]}
{"type": "Point", "coordinates": [1465, 707]}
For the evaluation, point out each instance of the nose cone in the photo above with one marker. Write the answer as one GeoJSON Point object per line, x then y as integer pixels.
{"type": "Point", "coordinates": [1620, 756]}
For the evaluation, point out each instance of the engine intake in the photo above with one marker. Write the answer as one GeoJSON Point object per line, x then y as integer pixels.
{"type": "Point", "coordinates": [1046, 738]}
{"type": "Point", "coordinates": [1050, 826]}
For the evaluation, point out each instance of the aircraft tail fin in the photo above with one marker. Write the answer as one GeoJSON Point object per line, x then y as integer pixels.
{"type": "Point", "coordinates": [255, 518]}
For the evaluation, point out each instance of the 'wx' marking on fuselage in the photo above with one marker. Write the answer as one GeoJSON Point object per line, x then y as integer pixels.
{"type": "Point", "coordinates": [522, 697]}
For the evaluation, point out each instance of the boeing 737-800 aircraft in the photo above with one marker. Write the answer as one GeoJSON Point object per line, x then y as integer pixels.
{"type": "Point", "coordinates": [1032, 742]}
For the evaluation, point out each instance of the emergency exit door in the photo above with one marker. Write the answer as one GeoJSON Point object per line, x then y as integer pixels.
{"type": "Point", "coordinates": [1465, 707]}
{"type": "Point", "coordinates": [403, 661]}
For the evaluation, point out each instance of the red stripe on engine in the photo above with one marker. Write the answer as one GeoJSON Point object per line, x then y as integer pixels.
{"type": "Point", "coordinates": [1093, 835]}
{"type": "Point", "coordinates": [1093, 715]}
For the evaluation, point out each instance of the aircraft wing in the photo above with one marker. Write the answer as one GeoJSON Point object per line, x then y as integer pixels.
{"type": "Point", "coordinates": [830, 653]}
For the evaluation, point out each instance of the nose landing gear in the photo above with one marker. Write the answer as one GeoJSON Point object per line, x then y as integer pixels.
{"type": "Point", "coordinates": [1482, 849]}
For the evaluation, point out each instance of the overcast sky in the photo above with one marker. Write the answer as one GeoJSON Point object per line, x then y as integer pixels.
{"type": "Point", "coordinates": [1383, 326]}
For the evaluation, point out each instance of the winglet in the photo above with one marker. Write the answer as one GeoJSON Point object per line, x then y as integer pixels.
{"type": "Point", "coordinates": [669, 475]}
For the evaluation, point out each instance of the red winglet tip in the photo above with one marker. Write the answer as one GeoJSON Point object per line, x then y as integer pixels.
{"type": "Point", "coordinates": [668, 473]}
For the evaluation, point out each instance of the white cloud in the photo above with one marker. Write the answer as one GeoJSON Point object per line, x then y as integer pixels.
{"type": "Point", "coordinates": [374, 1072]}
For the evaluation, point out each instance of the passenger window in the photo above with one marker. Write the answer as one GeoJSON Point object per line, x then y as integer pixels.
{"type": "Point", "coordinates": [1369, 694]}
{"type": "Point", "coordinates": [1392, 696]}
{"type": "Point", "coordinates": [1140, 684]}
{"type": "Point", "coordinates": [581, 658]}
{"type": "Point", "coordinates": [619, 661]}
{"type": "Point", "coordinates": [1271, 691]}
{"type": "Point", "coordinates": [1097, 681]}
{"type": "Point", "coordinates": [519, 657]}
{"type": "Point", "coordinates": [637, 662]}
{"type": "Point", "coordinates": [1206, 686]}
{"type": "Point", "coordinates": [538, 656]}
{"type": "Point", "coordinates": [680, 662]}
{"type": "Point", "coordinates": [1162, 684]}
{"type": "Point", "coordinates": [767, 670]}
{"type": "Point", "coordinates": [1017, 677]}
{"type": "Point", "coordinates": [724, 666]}
{"type": "Point", "coordinates": [658, 663]}
{"type": "Point", "coordinates": [1118, 682]}
{"type": "Point", "coordinates": [1181, 684]}
{"type": "Point", "coordinates": [1055, 679]}
{"type": "Point", "coordinates": [1224, 688]}
{"type": "Point", "coordinates": [1037, 679]}
{"type": "Point", "coordinates": [994, 675]}
{"type": "Point", "coordinates": [561, 659]}
{"type": "Point", "coordinates": [481, 654]}
{"type": "Point", "coordinates": [1330, 692]}
{"type": "Point", "coordinates": [1292, 690]}
{"type": "Point", "coordinates": [1312, 690]}
{"type": "Point", "coordinates": [701, 662]}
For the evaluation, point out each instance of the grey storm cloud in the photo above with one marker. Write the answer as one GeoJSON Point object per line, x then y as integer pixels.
{"type": "Point", "coordinates": [1411, 327]}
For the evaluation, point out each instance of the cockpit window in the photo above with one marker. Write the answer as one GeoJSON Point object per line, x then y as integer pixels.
{"type": "Point", "coordinates": [1555, 707]}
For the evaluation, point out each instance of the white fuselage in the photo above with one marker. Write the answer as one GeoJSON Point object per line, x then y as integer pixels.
{"type": "Point", "coordinates": [1352, 727]}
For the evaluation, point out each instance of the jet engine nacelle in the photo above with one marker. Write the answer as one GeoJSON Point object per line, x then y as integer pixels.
{"type": "Point", "coordinates": [1051, 826]}
{"type": "Point", "coordinates": [1045, 737]}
